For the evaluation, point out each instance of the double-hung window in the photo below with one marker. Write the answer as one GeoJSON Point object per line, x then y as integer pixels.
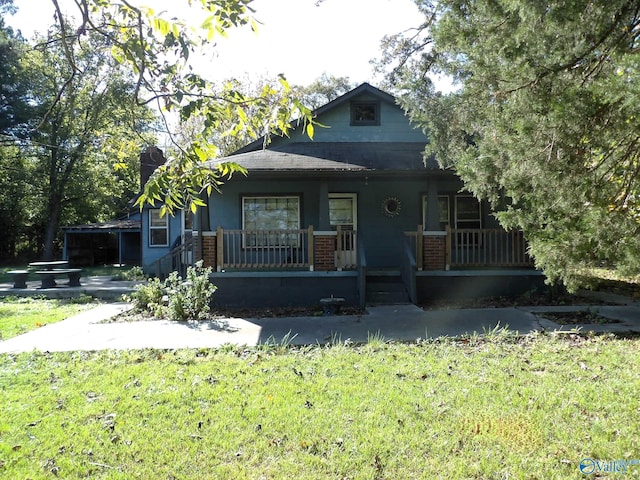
{"type": "Point", "coordinates": [468, 221]}
{"type": "Point", "coordinates": [158, 229]}
{"type": "Point", "coordinates": [269, 218]}
{"type": "Point", "coordinates": [467, 212]}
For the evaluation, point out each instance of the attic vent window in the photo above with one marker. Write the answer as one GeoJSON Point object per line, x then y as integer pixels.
{"type": "Point", "coordinates": [365, 113]}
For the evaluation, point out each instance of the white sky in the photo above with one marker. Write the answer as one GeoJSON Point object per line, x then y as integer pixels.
{"type": "Point", "coordinates": [296, 37]}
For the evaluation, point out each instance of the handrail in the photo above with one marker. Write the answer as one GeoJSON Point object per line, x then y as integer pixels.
{"type": "Point", "coordinates": [362, 271]}
{"type": "Point", "coordinates": [408, 267]}
{"type": "Point", "coordinates": [178, 259]}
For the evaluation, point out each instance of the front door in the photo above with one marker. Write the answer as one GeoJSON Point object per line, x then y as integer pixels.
{"type": "Point", "coordinates": [343, 213]}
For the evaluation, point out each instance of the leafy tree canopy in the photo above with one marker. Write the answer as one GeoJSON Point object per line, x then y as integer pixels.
{"type": "Point", "coordinates": [158, 49]}
{"type": "Point", "coordinates": [545, 120]}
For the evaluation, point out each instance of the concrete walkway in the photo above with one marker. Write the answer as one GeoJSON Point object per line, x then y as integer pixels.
{"type": "Point", "coordinates": [98, 286]}
{"type": "Point", "coordinates": [393, 322]}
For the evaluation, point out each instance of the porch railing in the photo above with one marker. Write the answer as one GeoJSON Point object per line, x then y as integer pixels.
{"type": "Point", "coordinates": [178, 259]}
{"type": "Point", "coordinates": [470, 247]}
{"type": "Point", "coordinates": [408, 267]}
{"type": "Point", "coordinates": [264, 249]}
{"type": "Point", "coordinates": [346, 249]}
{"type": "Point", "coordinates": [415, 245]}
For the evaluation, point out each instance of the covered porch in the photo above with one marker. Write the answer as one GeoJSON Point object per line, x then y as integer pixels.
{"type": "Point", "coordinates": [303, 265]}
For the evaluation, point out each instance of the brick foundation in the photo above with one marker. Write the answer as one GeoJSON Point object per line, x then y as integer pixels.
{"type": "Point", "coordinates": [324, 253]}
{"type": "Point", "coordinates": [434, 252]}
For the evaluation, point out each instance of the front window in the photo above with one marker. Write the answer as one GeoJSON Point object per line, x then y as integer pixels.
{"type": "Point", "coordinates": [269, 216]}
{"type": "Point", "coordinates": [467, 212]}
{"type": "Point", "coordinates": [158, 229]}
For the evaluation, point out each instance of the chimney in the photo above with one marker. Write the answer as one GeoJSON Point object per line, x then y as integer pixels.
{"type": "Point", "coordinates": [150, 159]}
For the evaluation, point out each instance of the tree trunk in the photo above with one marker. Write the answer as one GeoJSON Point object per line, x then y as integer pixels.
{"type": "Point", "coordinates": [51, 226]}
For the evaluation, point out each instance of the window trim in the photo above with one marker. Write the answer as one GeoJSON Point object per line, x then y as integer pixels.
{"type": "Point", "coordinates": [365, 123]}
{"type": "Point", "coordinates": [424, 209]}
{"type": "Point", "coordinates": [478, 220]}
{"type": "Point", "coordinates": [354, 198]}
{"type": "Point", "coordinates": [152, 227]}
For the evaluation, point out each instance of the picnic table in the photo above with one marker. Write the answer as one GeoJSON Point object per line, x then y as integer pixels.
{"type": "Point", "coordinates": [48, 270]}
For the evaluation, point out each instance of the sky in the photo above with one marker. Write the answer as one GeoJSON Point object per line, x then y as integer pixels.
{"type": "Point", "coordinates": [296, 38]}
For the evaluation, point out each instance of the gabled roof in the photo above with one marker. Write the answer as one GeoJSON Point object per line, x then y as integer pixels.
{"type": "Point", "coordinates": [335, 156]}
{"type": "Point", "coordinates": [365, 88]}
{"type": "Point", "coordinates": [356, 92]}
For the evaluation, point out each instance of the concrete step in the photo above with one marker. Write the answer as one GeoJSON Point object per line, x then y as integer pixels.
{"type": "Point", "coordinates": [385, 287]}
{"type": "Point", "coordinates": [386, 298]}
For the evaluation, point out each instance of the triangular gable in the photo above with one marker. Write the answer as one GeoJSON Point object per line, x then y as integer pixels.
{"type": "Point", "coordinates": [363, 89]}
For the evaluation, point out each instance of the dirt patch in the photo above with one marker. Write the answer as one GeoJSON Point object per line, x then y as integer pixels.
{"type": "Point", "coordinates": [531, 300]}
{"type": "Point", "coordinates": [577, 318]}
{"type": "Point", "coordinates": [217, 314]}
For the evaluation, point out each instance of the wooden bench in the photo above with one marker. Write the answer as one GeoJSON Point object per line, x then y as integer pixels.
{"type": "Point", "coordinates": [48, 277]}
{"type": "Point", "coordinates": [19, 278]}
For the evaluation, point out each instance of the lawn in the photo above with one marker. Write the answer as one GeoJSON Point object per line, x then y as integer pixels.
{"type": "Point", "coordinates": [482, 408]}
{"type": "Point", "coordinates": [19, 315]}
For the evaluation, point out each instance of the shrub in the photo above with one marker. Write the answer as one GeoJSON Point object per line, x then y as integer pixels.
{"type": "Point", "coordinates": [187, 299]}
{"type": "Point", "coordinates": [190, 298]}
{"type": "Point", "coordinates": [133, 274]}
{"type": "Point", "coordinates": [147, 297]}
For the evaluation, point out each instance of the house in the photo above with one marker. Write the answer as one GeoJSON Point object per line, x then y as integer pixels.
{"type": "Point", "coordinates": [114, 242]}
{"type": "Point", "coordinates": [104, 243]}
{"type": "Point", "coordinates": [354, 213]}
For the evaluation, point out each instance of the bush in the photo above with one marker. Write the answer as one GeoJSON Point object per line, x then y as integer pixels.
{"type": "Point", "coordinates": [147, 297]}
{"type": "Point", "coordinates": [133, 274]}
{"type": "Point", "coordinates": [187, 299]}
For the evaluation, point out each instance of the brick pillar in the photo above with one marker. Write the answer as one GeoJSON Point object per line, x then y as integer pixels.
{"type": "Point", "coordinates": [434, 252]}
{"type": "Point", "coordinates": [209, 248]}
{"type": "Point", "coordinates": [324, 252]}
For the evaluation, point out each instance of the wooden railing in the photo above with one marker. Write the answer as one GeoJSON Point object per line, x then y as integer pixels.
{"type": "Point", "coordinates": [470, 247]}
{"type": "Point", "coordinates": [408, 268]}
{"type": "Point", "coordinates": [264, 249]}
{"type": "Point", "coordinates": [178, 259]}
{"type": "Point", "coordinates": [346, 249]}
{"type": "Point", "coordinates": [415, 244]}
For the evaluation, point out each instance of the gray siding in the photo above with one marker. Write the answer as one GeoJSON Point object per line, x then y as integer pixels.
{"type": "Point", "coordinates": [394, 127]}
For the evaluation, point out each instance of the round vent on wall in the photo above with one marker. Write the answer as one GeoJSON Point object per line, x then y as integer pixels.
{"type": "Point", "coordinates": [391, 207]}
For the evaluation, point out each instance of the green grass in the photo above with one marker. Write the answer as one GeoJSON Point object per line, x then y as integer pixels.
{"type": "Point", "coordinates": [20, 315]}
{"type": "Point", "coordinates": [479, 408]}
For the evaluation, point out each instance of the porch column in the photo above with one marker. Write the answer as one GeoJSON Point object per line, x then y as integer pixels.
{"type": "Point", "coordinates": [119, 249]}
{"type": "Point", "coordinates": [207, 248]}
{"type": "Point", "coordinates": [323, 210]}
{"type": "Point", "coordinates": [433, 215]}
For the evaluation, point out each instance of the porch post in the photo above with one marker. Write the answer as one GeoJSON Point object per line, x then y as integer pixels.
{"type": "Point", "coordinates": [220, 249]}
{"type": "Point", "coordinates": [447, 258]}
{"type": "Point", "coordinates": [433, 214]}
{"type": "Point", "coordinates": [420, 248]}
{"type": "Point", "coordinates": [310, 248]}
{"type": "Point", "coordinates": [119, 249]}
{"type": "Point", "coordinates": [323, 211]}
{"type": "Point", "coordinates": [339, 248]}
